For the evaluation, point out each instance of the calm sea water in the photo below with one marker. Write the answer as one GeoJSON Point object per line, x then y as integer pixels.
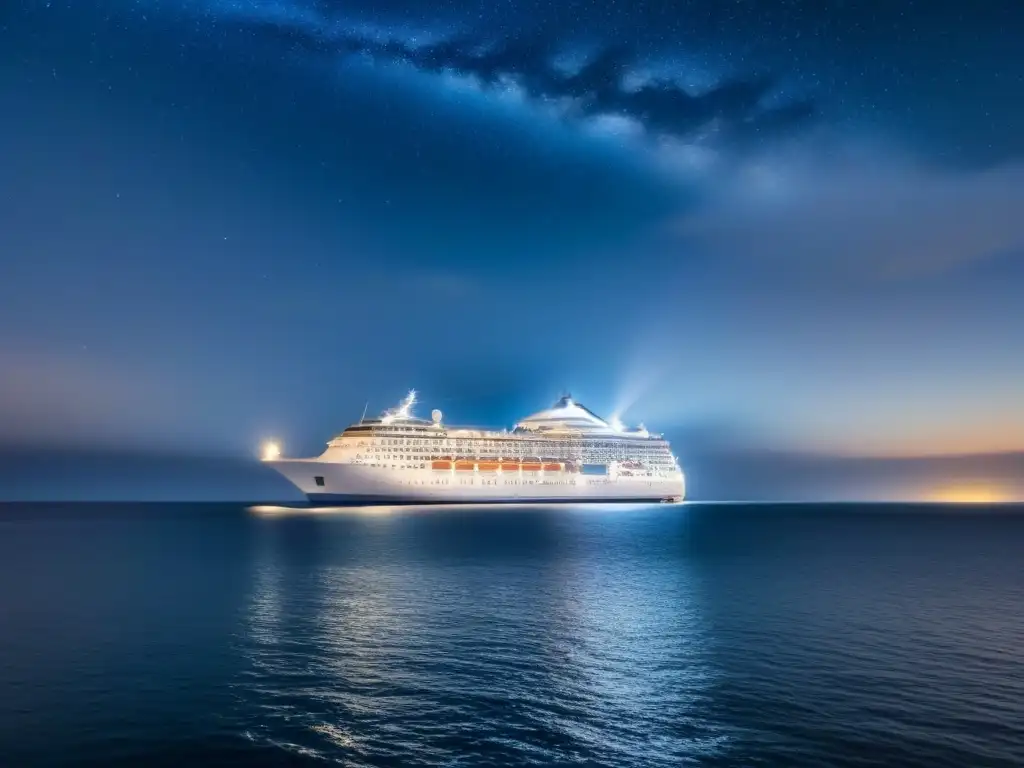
{"type": "Point", "coordinates": [661, 636]}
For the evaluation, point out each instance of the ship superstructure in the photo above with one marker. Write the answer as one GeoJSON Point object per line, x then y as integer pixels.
{"type": "Point", "coordinates": [565, 453]}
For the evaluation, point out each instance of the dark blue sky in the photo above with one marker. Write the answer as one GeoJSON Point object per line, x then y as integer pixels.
{"type": "Point", "coordinates": [789, 224]}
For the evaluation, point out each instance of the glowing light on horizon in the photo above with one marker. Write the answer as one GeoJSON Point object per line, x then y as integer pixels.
{"type": "Point", "coordinates": [969, 493]}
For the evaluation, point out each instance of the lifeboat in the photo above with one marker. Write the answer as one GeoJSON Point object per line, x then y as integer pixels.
{"type": "Point", "coordinates": [510, 466]}
{"type": "Point", "coordinates": [464, 465]}
{"type": "Point", "coordinates": [441, 464]}
{"type": "Point", "coordinates": [531, 466]}
{"type": "Point", "coordinates": [489, 465]}
{"type": "Point", "coordinates": [552, 467]}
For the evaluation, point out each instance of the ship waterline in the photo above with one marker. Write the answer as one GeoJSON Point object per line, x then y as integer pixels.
{"type": "Point", "coordinates": [563, 454]}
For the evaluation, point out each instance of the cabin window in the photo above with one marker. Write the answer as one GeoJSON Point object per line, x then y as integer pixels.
{"type": "Point", "coordinates": [319, 480]}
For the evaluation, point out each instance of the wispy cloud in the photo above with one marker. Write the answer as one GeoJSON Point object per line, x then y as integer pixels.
{"type": "Point", "coordinates": [880, 215]}
{"type": "Point", "coordinates": [732, 113]}
{"type": "Point", "coordinates": [611, 84]}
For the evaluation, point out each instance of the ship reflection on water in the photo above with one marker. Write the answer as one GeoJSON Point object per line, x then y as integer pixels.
{"type": "Point", "coordinates": [528, 631]}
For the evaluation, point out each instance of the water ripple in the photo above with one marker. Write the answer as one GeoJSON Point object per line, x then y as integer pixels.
{"type": "Point", "coordinates": [716, 636]}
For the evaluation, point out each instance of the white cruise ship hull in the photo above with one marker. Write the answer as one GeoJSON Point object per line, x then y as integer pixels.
{"type": "Point", "coordinates": [332, 483]}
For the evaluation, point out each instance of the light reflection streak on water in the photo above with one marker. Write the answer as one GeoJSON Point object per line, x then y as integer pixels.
{"type": "Point", "coordinates": [265, 605]}
{"type": "Point", "coordinates": [621, 615]}
{"type": "Point", "coordinates": [272, 510]}
{"type": "Point", "coordinates": [265, 624]}
{"type": "Point", "coordinates": [315, 633]}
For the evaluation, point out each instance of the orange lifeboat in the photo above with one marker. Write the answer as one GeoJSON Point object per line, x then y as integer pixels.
{"type": "Point", "coordinates": [441, 464]}
{"type": "Point", "coordinates": [489, 464]}
{"type": "Point", "coordinates": [464, 465]}
{"type": "Point", "coordinates": [552, 467]}
{"type": "Point", "coordinates": [532, 465]}
{"type": "Point", "coordinates": [510, 466]}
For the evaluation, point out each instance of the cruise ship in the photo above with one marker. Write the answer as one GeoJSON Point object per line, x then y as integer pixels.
{"type": "Point", "coordinates": [563, 454]}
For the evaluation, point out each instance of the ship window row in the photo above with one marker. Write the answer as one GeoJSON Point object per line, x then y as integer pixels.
{"type": "Point", "coordinates": [517, 450]}
{"type": "Point", "coordinates": [419, 460]}
{"type": "Point", "coordinates": [596, 444]}
{"type": "Point", "coordinates": [595, 452]}
{"type": "Point", "coordinates": [519, 444]}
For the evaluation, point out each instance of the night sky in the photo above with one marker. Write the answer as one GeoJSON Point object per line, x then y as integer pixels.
{"type": "Point", "coordinates": [794, 225]}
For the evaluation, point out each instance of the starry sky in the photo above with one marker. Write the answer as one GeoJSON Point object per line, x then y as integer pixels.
{"type": "Point", "coordinates": [778, 224]}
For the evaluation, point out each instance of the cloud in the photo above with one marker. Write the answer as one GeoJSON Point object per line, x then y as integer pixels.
{"type": "Point", "coordinates": [611, 83]}
{"type": "Point", "coordinates": [878, 214]}
{"type": "Point", "coordinates": [732, 113]}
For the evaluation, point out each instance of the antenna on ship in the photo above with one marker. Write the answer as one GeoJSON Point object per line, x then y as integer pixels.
{"type": "Point", "coordinates": [364, 411]}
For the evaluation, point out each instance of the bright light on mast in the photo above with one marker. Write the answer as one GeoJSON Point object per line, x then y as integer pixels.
{"type": "Point", "coordinates": [404, 409]}
{"type": "Point", "coordinates": [407, 404]}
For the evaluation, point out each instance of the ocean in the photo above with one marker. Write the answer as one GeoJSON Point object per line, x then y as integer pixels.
{"type": "Point", "coordinates": [705, 635]}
